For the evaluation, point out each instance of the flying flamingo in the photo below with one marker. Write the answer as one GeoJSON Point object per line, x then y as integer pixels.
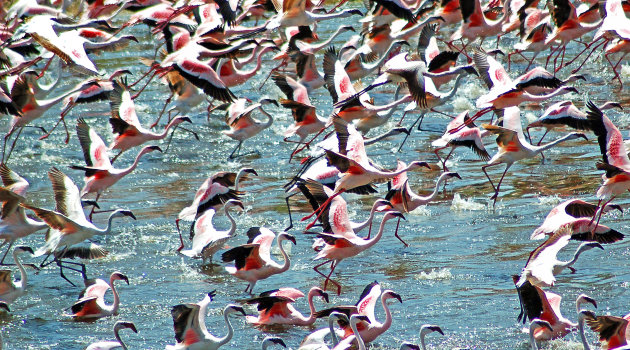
{"type": "Point", "coordinates": [10, 290]}
{"type": "Point", "coordinates": [208, 240]}
{"type": "Point", "coordinates": [537, 326]}
{"type": "Point", "coordinates": [339, 247]}
{"type": "Point", "coordinates": [469, 136]}
{"type": "Point", "coordinates": [91, 304]}
{"type": "Point", "coordinates": [15, 224]}
{"type": "Point", "coordinates": [118, 343]}
{"type": "Point", "coordinates": [69, 226]}
{"type": "Point", "coordinates": [276, 307]}
{"type": "Point", "coordinates": [242, 125]}
{"type": "Point", "coordinates": [613, 331]}
{"type": "Point", "coordinates": [614, 155]}
{"type": "Point", "coordinates": [543, 265]}
{"type": "Point", "coordinates": [190, 328]}
{"type": "Point", "coordinates": [405, 200]}
{"type": "Point", "coordinates": [212, 194]}
{"type": "Point", "coordinates": [565, 113]}
{"type": "Point", "coordinates": [475, 23]}
{"type": "Point", "coordinates": [567, 212]}
{"type": "Point", "coordinates": [513, 146]}
{"type": "Point", "coordinates": [128, 132]}
{"type": "Point", "coordinates": [99, 172]}
{"type": "Point", "coordinates": [252, 261]}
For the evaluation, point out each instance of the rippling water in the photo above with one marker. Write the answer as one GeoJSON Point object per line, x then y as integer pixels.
{"type": "Point", "coordinates": [456, 272]}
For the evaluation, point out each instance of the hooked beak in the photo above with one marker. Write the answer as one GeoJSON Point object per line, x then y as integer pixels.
{"type": "Point", "coordinates": [186, 119]}
{"type": "Point", "coordinates": [26, 249]}
{"type": "Point", "coordinates": [453, 174]}
{"type": "Point", "coordinates": [291, 238]}
{"type": "Point", "coordinates": [251, 171]}
{"type": "Point", "coordinates": [155, 148]}
{"type": "Point", "coordinates": [324, 295]}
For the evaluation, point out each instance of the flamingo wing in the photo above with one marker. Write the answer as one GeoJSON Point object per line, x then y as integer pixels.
{"type": "Point", "coordinates": [542, 259]}
{"type": "Point", "coordinates": [55, 220]}
{"type": "Point", "coordinates": [290, 293]}
{"type": "Point", "coordinates": [204, 77]}
{"type": "Point", "coordinates": [245, 257]}
{"type": "Point", "coordinates": [507, 139]}
{"type": "Point", "coordinates": [13, 181]}
{"type": "Point", "coordinates": [11, 202]}
{"type": "Point", "coordinates": [530, 298]}
{"type": "Point", "coordinates": [86, 306]}
{"type": "Point", "coordinates": [491, 71]}
{"type": "Point", "coordinates": [367, 300]}
{"type": "Point", "coordinates": [67, 196]}
{"type": "Point", "coordinates": [94, 149]}
{"type": "Point", "coordinates": [561, 11]}
{"type": "Point", "coordinates": [263, 237]}
{"type": "Point", "coordinates": [186, 324]}
{"type": "Point", "coordinates": [122, 105]}
{"type": "Point", "coordinates": [582, 230]}
{"type": "Point", "coordinates": [609, 137]}
{"type": "Point", "coordinates": [95, 288]}
{"type": "Point", "coordinates": [316, 196]}
{"type": "Point", "coordinates": [272, 304]}
{"type": "Point", "coordinates": [608, 327]}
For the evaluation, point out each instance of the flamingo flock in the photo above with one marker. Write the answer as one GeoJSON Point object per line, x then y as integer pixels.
{"type": "Point", "coordinates": [208, 76]}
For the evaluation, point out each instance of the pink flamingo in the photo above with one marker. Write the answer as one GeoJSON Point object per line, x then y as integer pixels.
{"type": "Point", "coordinates": [470, 136]}
{"type": "Point", "coordinates": [276, 307]}
{"type": "Point", "coordinates": [99, 172]}
{"type": "Point", "coordinates": [339, 247]}
{"type": "Point", "coordinates": [91, 304]}
{"type": "Point", "coordinates": [242, 125]}
{"type": "Point", "coordinates": [118, 343]}
{"type": "Point", "coordinates": [252, 261]}
{"type": "Point", "coordinates": [613, 331]}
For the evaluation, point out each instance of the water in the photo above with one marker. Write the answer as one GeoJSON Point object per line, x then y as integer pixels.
{"type": "Point", "coordinates": [456, 272]}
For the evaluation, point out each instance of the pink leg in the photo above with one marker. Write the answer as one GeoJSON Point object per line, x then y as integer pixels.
{"type": "Point", "coordinates": [319, 211]}
{"type": "Point", "coordinates": [397, 236]}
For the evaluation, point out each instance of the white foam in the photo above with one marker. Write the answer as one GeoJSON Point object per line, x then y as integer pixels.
{"type": "Point", "coordinates": [625, 72]}
{"type": "Point", "coordinates": [460, 204]}
{"type": "Point", "coordinates": [548, 200]}
{"type": "Point", "coordinates": [436, 275]}
{"type": "Point", "coordinates": [421, 211]}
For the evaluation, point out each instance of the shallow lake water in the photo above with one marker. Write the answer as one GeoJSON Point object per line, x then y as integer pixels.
{"type": "Point", "coordinates": [456, 273]}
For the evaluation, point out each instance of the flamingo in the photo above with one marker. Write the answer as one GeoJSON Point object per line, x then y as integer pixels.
{"type": "Point", "coordinates": [437, 61]}
{"type": "Point", "coordinates": [475, 24]}
{"type": "Point", "coordinates": [405, 200]}
{"type": "Point", "coordinates": [99, 172]}
{"type": "Point", "coordinates": [424, 330]}
{"type": "Point", "coordinates": [118, 343]}
{"type": "Point", "coordinates": [275, 307]}
{"type": "Point", "coordinates": [15, 224]}
{"type": "Point", "coordinates": [614, 155]}
{"type": "Point", "coordinates": [91, 304]}
{"type": "Point", "coordinates": [339, 247]}
{"type": "Point", "coordinates": [128, 132]}
{"type": "Point", "coordinates": [542, 265]}
{"type": "Point", "coordinates": [513, 146]}
{"type": "Point", "coordinates": [566, 113]}
{"type": "Point", "coordinates": [469, 136]}
{"type": "Point", "coordinates": [613, 331]}
{"type": "Point", "coordinates": [242, 125]}
{"type": "Point", "coordinates": [537, 326]}
{"type": "Point", "coordinates": [567, 212]}
{"type": "Point", "coordinates": [252, 261]}
{"type": "Point", "coordinates": [270, 341]}
{"type": "Point", "coordinates": [356, 336]}
{"type": "Point", "coordinates": [10, 290]}
{"type": "Point", "coordinates": [316, 341]}
{"type": "Point", "coordinates": [536, 303]}
{"type": "Point", "coordinates": [232, 76]}
{"type": "Point", "coordinates": [190, 329]}
{"type": "Point", "coordinates": [212, 194]}
{"type": "Point", "coordinates": [208, 240]}
{"type": "Point", "coordinates": [69, 226]}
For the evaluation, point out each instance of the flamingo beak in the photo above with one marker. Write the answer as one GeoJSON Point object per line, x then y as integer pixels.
{"type": "Point", "coordinates": [239, 309]}
{"type": "Point", "coordinates": [590, 300]}
{"type": "Point", "coordinates": [129, 213]}
{"type": "Point", "coordinates": [291, 238]}
{"type": "Point", "coordinates": [186, 119]}
{"type": "Point", "coordinates": [396, 296]}
{"type": "Point", "coordinates": [455, 175]}
{"type": "Point", "coordinates": [5, 306]}
{"type": "Point", "coordinates": [251, 171]}
{"type": "Point", "coordinates": [436, 329]}
{"type": "Point", "coordinates": [155, 148]}
{"type": "Point", "coordinates": [26, 249]}
{"type": "Point", "coordinates": [130, 325]}
{"type": "Point", "coordinates": [212, 294]}
{"type": "Point", "coordinates": [324, 295]}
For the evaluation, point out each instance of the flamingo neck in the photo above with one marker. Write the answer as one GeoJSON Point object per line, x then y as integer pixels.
{"type": "Point", "coordinates": [579, 251]}
{"type": "Point", "coordinates": [237, 181]}
{"type": "Point", "coordinates": [117, 336]}
{"type": "Point", "coordinates": [378, 235]}
{"type": "Point", "coordinates": [396, 172]}
{"type": "Point", "coordinates": [327, 41]}
{"type": "Point", "coordinates": [532, 339]}
{"type": "Point", "coordinates": [378, 138]}
{"type": "Point", "coordinates": [319, 17]}
{"type": "Point", "coordinates": [108, 228]}
{"type": "Point", "coordinates": [333, 335]}
{"type": "Point", "coordinates": [269, 119]}
{"type": "Point", "coordinates": [23, 279]}
{"type": "Point", "coordinates": [458, 80]}
{"type": "Point", "coordinates": [45, 104]}
{"type": "Point", "coordinates": [581, 331]}
{"type": "Point", "coordinates": [311, 318]}
{"type": "Point", "coordinates": [360, 342]}
{"type": "Point", "coordinates": [287, 262]}
{"type": "Point", "coordinates": [116, 303]}
{"type": "Point", "coordinates": [250, 73]}
{"type": "Point", "coordinates": [232, 222]}
{"type": "Point", "coordinates": [163, 134]}
{"type": "Point", "coordinates": [388, 315]}
{"type": "Point", "coordinates": [538, 149]}
{"type": "Point", "coordinates": [225, 339]}
{"type": "Point", "coordinates": [133, 165]}
{"type": "Point", "coordinates": [369, 220]}
{"type": "Point", "coordinates": [436, 190]}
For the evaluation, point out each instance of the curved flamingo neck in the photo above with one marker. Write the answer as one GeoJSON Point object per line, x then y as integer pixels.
{"type": "Point", "coordinates": [117, 328]}
{"type": "Point", "coordinates": [225, 339]}
{"type": "Point", "coordinates": [311, 318]}
{"type": "Point", "coordinates": [287, 263]}
{"type": "Point", "coordinates": [579, 251]}
{"type": "Point", "coordinates": [357, 335]}
{"type": "Point", "coordinates": [23, 278]}
{"type": "Point", "coordinates": [45, 104]}
{"type": "Point", "coordinates": [379, 234]}
{"type": "Point", "coordinates": [360, 226]}
{"type": "Point", "coordinates": [538, 149]}
{"type": "Point", "coordinates": [269, 119]}
{"type": "Point", "coordinates": [108, 228]}
{"type": "Point", "coordinates": [581, 331]}
{"type": "Point", "coordinates": [396, 172]}
{"type": "Point", "coordinates": [232, 229]}
{"type": "Point", "coordinates": [133, 166]}
{"type": "Point", "coordinates": [237, 181]}
{"type": "Point", "coordinates": [168, 126]}
{"type": "Point", "coordinates": [328, 41]}
{"type": "Point", "coordinates": [388, 315]}
{"type": "Point", "coordinates": [116, 303]}
{"type": "Point", "coordinates": [333, 334]}
{"type": "Point", "coordinates": [436, 190]}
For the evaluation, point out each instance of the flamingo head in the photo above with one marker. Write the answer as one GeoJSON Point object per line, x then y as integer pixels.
{"type": "Point", "coordinates": [319, 292]}
{"type": "Point", "coordinates": [274, 340]}
{"type": "Point", "coordinates": [126, 324]}
{"type": "Point", "coordinates": [119, 276]}
{"type": "Point", "coordinates": [180, 119]}
{"type": "Point", "coordinates": [394, 214]}
{"type": "Point", "coordinates": [4, 306]}
{"type": "Point", "coordinates": [233, 308]}
{"type": "Point", "coordinates": [148, 149]}
{"type": "Point", "coordinates": [121, 212]}
{"type": "Point", "coordinates": [354, 12]}
{"type": "Point", "coordinates": [452, 174]}
{"type": "Point", "coordinates": [22, 249]}
{"type": "Point", "coordinates": [470, 69]}
{"type": "Point", "coordinates": [430, 328]}
{"type": "Point", "coordinates": [119, 72]}
{"type": "Point", "coordinates": [400, 130]}
{"type": "Point", "coordinates": [583, 298]}
{"type": "Point", "coordinates": [212, 294]}
{"type": "Point", "coordinates": [390, 294]}
{"type": "Point", "coordinates": [234, 203]}
{"type": "Point", "coordinates": [409, 346]}
{"type": "Point", "coordinates": [347, 28]}
{"type": "Point", "coordinates": [287, 236]}
{"type": "Point", "coordinates": [250, 170]}
{"type": "Point", "coordinates": [578, 135]}
{"type": "Point", "coordinates": [568, 89]}
{"type": "Point", "coordinates": [266, 101]}
{"type": "Point", "coordinates": [417, 164]}
{"type": "Point", "coordinates": [383, 205]}
{"type": "Point", "coordinates": [611, 104]}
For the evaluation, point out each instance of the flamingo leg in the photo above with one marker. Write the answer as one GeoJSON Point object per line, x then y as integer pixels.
{"type": "Point", "coordinates": [41, 74]}
{"type": "Point", "coordinates": [587, 56]}
{"type": "Point", "coordinates": [181, 240]}
{"type": "Point", "coordinates": [337, 6]}
{"type": "Point", "coordinates": [496, 193]}
{"type": "Point", "coordinates": [12, 145]}
{"type": "Point", "coordinates": [116, 157]}
{"type": "Point", "coordinates": [98, 195]}
{"type": "Point", "coordinates": [530, 62]}
{"type": "Point", "coordinates": [289, 209]}
{"type": "Point", "coordinates": [333, 265]}
{"type": "Point", "coordinates": [237, 148]}
{"type": "Point", "coordinates": [471, 120]}
{"type": "Point", "coordinates": [401, 119]}
{"type": "Point", "coordinates": [168, 100]}
{"type": "Point", "coordinates": [553, 50]}
{"type": "Point", "coordinates": [307, 144]}
{"type": "Point", "coordinates": [545, 134]}
{"type": "Point", "coordinates": [6, 252]}
{"type": "Point", "coordinates": [397, 236]}
{"type": "Point", "coordinates": [420, 118]}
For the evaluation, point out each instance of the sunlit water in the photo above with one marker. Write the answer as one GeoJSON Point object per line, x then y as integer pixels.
{"type": "Point", "coordinates": [455, 273]}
